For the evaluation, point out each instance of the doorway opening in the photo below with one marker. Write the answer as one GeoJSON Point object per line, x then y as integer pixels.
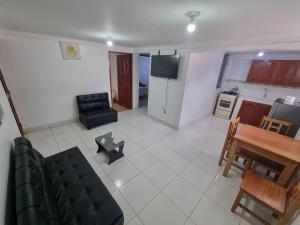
{"type": "Point", "coordinates": [120, 67]}
{"type": "Point", "coordinates": [144, 65]}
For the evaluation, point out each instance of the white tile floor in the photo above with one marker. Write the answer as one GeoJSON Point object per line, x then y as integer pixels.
{"type": "Point", "coordinates": [167, 177]}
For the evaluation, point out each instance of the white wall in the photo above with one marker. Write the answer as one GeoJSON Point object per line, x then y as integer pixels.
{"type": "Point", "coordinates": [144, 69]}
{"type": "Point", "coordinates": [113, 74]}
{"type": "Point", "coordinates": [8, 131]}
{"type": "Point", "coordinates": [157, 94]}
{"type": "Point", "coordinates": [237, 69]}
{"type": "Point", "coordinates": [43, 85]}
{"type": "Point", "coordinates": [200, 89]}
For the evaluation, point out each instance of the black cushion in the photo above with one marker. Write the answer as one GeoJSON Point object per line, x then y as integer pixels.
{"type": "Point", "coordinates": [85, 107]}
{"type": "Point", "coordinates": [80, 194]}
{"type": "Point", "coordinates": [62, 189]}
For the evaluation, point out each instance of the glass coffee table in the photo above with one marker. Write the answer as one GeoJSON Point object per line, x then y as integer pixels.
{"type": "Point", "coordinates": [113, 150]}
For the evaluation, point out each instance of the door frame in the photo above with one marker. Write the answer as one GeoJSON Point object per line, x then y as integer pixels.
{"type": "Point", "coordinates": [121, 53]}
{"type": "Point", "coordinates": [10, 101]}
{"type": "Point", "coordinates": [144, 54]}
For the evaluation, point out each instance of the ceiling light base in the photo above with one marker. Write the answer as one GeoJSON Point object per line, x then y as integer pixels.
{"type": "Point", "coordinates": [192, 14]}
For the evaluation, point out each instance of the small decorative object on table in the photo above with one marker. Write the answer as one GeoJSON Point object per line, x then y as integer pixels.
{"type": "Point", "coordinates": [114, 151]}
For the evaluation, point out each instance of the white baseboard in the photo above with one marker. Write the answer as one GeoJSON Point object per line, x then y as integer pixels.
{"type": "Point", "coordinates": [61, 123]}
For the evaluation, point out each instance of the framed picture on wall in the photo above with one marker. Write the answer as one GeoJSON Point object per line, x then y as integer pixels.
{"type": "Point", "coordinates": [70, 51]}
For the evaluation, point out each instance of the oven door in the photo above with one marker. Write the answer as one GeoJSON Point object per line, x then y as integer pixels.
{"type": "Point", "coordinates": [225, 104]}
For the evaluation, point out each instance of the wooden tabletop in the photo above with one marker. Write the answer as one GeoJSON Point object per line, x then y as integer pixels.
{"type": "Point", "coordinates": [270, 141]}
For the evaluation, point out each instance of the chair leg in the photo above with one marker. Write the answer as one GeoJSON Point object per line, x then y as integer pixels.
{"type": "Point", "coordinates": [237, 201]}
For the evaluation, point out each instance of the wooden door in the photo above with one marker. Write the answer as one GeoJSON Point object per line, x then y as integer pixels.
{"type": "Point", "coordinates": [124, 68]}
{"type": "Point", "coordinates": [260, 71]}
{"type": "Point", "coordinates": [252, 112]}
{"type": "Point", "coordinates": [7, 92]}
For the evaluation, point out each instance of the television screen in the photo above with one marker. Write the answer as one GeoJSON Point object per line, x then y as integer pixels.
{"type": "Point", "coordinates": [165, 66]}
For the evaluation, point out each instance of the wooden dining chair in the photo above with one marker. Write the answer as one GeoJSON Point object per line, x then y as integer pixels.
{"type": "Point", "coordinates": [278, 126]}
{"type": "Point", "coordinates": [241, 153]}
{"type": "Point", "coordinates": [229, 138]}
{"type": "Point", "coordinates": [283, 202]}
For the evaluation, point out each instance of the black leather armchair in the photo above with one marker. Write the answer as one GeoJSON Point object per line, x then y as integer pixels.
{"type": "Point", "coordinates": [62, 189]}
{"type": "Point", "coordinates": [94, 110]}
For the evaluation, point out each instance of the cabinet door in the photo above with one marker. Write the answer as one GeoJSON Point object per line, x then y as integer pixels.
{"type": "Point", "coordinates": [246, 112]}
{"type": "Point", "coordinates": [294, 76]}
{"type": "Point", "coordinates": [282, 69]}
{"type": "Point", "coordinates": [252, 113]}
{"type": "Point", "coordinates": [260, 71]}
{"type": "Point", "coordinates": [261, 111]}
{"type": "Point", "coordinates": [286, 72]}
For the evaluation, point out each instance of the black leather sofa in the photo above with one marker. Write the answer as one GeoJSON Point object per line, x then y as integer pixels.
{"type": "Point", "coordinates": [94, 110]}
{"type": "Point", "coordinates": [62, 189]}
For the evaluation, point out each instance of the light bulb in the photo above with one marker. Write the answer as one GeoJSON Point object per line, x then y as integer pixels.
{"type": "Point", "coordinates": [109, 43]}
{"type": "Point", "coordinates": [260, 54]}
{"type": "Point", "coordinates": [191, 27]}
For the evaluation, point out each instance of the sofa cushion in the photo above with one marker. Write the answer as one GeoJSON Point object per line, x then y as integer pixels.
{"type": "Point", "coordinates": [81, 196]}
{"type": "Point", "coordinates": [35, 201]}
{"type": "Point", "coordinates": [92, 97]}
{"type": "Point", "coordinates": [90, 106]}
{"type": "Point", "coordinates": [61, 189]}
{"type": "Point", "coordinates": [22, 141]}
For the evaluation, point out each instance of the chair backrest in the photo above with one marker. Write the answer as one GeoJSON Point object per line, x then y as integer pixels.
{"type": "Point", "coordinates": [278, 126]}
{"type": "Point", "coordinates": [92, 102]}
{"type": "Point", "coordinates": [231, 131]}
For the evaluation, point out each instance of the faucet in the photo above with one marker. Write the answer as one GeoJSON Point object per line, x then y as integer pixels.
{"type": "Point", "coordinates": [266, 92]}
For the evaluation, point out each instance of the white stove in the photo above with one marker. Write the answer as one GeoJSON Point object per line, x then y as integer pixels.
{"type": "Point", "coordinates": [225, 105]}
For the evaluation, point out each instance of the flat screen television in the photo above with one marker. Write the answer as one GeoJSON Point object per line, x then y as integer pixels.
{"type": "Point", "coordinates": [165, 66]}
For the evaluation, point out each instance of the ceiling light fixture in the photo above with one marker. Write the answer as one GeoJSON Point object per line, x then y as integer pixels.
{"type": "Point", "coordinates": [109, 43]}
{"type": "Point", "coordinates": [191, 27]}
{"type": "Point", "coordinates": [260, 54]}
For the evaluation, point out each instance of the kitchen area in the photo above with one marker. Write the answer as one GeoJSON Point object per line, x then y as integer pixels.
{"type": "Point", "coordinates": [258, 84]}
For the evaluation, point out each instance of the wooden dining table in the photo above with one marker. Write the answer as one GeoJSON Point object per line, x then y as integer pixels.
{"type": "Point", "coordinates": [273, 146]}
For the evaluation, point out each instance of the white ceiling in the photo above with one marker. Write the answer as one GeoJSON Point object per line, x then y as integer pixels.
{"type": "Point", "coordinates": [152, 22]}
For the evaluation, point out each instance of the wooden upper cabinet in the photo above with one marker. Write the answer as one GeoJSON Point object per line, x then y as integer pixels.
{"type": "Point", "coordinates": [284, 72]}
{"type": "Point", "coordinates": [259, 71]}
{"type": "Point", "coordinates": [275, 72]}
